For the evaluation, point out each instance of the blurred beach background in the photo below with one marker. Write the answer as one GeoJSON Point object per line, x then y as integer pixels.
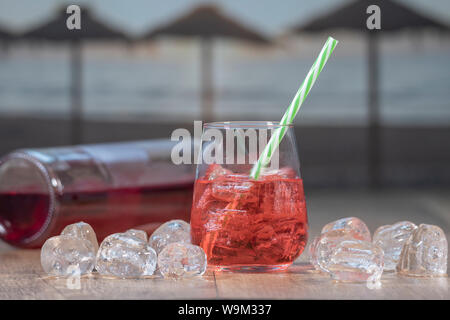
{"type": "Point", "coordinates": [146, 89]}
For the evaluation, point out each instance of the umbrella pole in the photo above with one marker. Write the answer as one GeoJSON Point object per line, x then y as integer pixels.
{"type": "Point", "coordinates": [3, 47]}
{"type": "Point", "coordinates": [374, 141]}
{"type": "Point", "coordinates": [75, 93]}
{"type": "Point", "coordinates": [206, 79]}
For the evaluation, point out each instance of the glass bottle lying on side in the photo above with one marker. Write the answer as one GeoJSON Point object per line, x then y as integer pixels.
{"type": "Point", "coordinates": [245, 224]}
{"type": "Point", "coordinates": [112, 186]}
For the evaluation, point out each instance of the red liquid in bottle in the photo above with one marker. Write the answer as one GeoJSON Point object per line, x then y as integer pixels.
{"type": "Point", "coordinates": [22, 215]}
{"type": "Point", "coordinates": [243, 222]}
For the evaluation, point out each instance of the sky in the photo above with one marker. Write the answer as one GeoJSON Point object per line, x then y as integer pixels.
{"type": "Point", "coordinates": [136, 16]}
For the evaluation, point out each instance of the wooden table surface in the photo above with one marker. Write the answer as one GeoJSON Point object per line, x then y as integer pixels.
{"type": "Point", "coordinates": [21, 275]}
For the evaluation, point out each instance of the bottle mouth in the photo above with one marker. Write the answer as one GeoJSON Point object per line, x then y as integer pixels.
{"type": "Point", "coordinates": [27, 200]}
{"type": "Point", "coordinates": [246, 125]}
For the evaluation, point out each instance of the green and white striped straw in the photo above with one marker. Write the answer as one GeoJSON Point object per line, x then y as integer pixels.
{"type": "Point", "coordinates": [295, 105]}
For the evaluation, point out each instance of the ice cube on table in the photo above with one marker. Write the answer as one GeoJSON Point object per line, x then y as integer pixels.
{"type": "Point", "coordinates": [356, 260]}
{"type": "Point", "coordinates": [391, 238]}
{"type": "Point", "coordinates": [312, 253]}
{"type": "Point", "coordinates": [170, 232]}
{"type": "Point", "coordinates": [326, 244]}
{"type": "Point", "coordinates": [182, 260]}
{"type": "Point", "coordinates": [125, 256]}
{"type": "Point", "coordinates": [81, 230]}
{"type": "Point", "coordinates": [355, 224]}
{"type": "Point", "coordinates": [141, 234]}
{"type": "Point", "coordinates": [424, 254]}
{"type": "Point", "coordinates": [65, 255]}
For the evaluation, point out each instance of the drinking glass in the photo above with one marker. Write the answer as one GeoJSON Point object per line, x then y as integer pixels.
{"type": "Point", "coordinates": [247, 224]}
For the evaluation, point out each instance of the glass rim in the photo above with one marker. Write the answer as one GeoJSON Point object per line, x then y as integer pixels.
{"type": "Point", "coordinates": [245, 125]}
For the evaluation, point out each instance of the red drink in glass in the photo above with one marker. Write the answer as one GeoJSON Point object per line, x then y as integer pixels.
{"type": "Point", "coordinates": [243, 224]}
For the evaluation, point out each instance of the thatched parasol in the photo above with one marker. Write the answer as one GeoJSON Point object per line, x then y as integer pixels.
{"type": "Point", "coordinates": [5, 35]}
{"type": "Point", "coordinates": [5, 38]}
{"type": "Point", "coordinates": [352, 16]}
{"type": "Point", "coordinates": [207, 22]}
{"type": "Point", "coordinates": [55, 30]}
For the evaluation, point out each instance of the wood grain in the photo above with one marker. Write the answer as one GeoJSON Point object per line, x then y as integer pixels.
{"type": "Point", "coordinates": [21, 275]}
{"type": "Point", "coordinates": [301, 283]}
